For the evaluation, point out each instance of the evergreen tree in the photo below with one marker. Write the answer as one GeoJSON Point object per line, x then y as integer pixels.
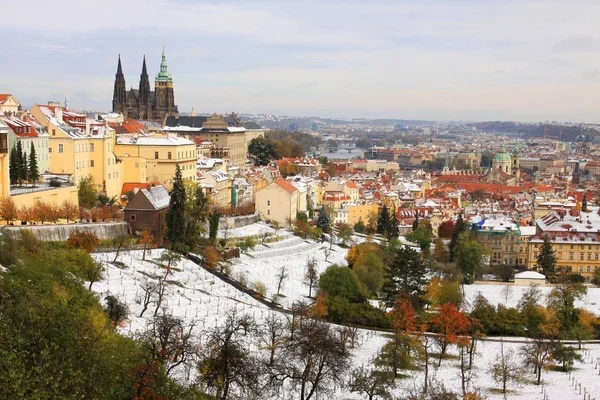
{"type": "Point", "coordinates": [176, 212]}
{"type": "Point", "coordinates": [34, 173]}
{"type": "Point", "coordinates": [406, 277]}
{"type": "Point", "coordinates": [415, 224]}
{"type": "Point", "coordinates": [13, 165]}
{"type": "Point", "coordinates": [383, 220]}
{"type": "Point", "coordinates": [546, 259]}
{"type": "Point", "coordinates": [323, 220]}
{"type": "Point", "coordinates": [19, 164]}
{"type": "Point", "coordinates": [393, 230]}
{"type": "Point", "coordinates": [359, 227]}
{"type": "Point", "coordinates": [23, 169]}
{"type": "Point", "coordinates": [459, 228]}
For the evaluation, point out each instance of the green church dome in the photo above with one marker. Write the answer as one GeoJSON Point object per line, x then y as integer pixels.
{"type": "Point", "coordinates": [503, 155]}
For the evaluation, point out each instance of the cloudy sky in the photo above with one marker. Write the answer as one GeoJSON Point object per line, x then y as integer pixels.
{"type": "Point", "coordinates": [524, 60]}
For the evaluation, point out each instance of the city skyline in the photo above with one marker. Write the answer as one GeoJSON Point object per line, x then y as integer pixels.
{"type": "Point", "coordinates": [464, 60]}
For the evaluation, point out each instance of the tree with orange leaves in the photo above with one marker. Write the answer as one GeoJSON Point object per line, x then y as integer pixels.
{"type": "Point", "coordinates": [68, 210]}
{"type": "Point", "coordinates": [449, 324]}
{"type": "Point", "coordinates": [83, 240]}
{"type": "Point", "coordinates": [400, 351]}
{"type": "Point", "coordinates": [147, 241]}
{"type": "Point", "coordinates": [26, 214]}
{"type": "Point", "coordinates": [8, 209]}
{"type": "Point", "coordinates": [319, 309]}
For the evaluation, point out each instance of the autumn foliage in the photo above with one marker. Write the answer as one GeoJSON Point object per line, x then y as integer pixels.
{"type": "Point", "coordinates": [403, 316]}
{"type": "Point", "coordinates": [450, 324]}
{"type": "Point", "coordinates": [83, 240]}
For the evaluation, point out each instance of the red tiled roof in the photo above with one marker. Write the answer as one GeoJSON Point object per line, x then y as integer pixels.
{"type": "Point", "coordinates": [128, 187]}
{"type": "Point", "coordinates": [4, 97]}
{"type": "Point", "coordinates": [288, 187]}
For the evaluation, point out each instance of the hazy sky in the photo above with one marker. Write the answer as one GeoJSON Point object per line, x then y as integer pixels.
{"type": "Point", "coordinates": [453, 59]}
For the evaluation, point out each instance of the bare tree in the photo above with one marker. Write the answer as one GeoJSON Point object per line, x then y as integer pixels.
{"type": "Point", "coordinates": [273, 336]}
{"type": "Point", "coordinates": [121, 241]}
{"type": "Point", "coordinates": [372, 383]}
{"type": "Point", "coordinates": [538, 354]}
{"type": "Point", "coordinates": [160, 293]}
{"type": "Point", "coordinates": [507, 291]}
{"type": "Point", "coordinates": [149, 290]}
{"type": "Point", "coordinates": [281, 276]}
{"type": "Point", "coordinates": [311, 275]}
{"type": "Point", "coordinates": [171, 258]}
{"type": "Point", "coordinates": [505, 369]}
{"type": "Point", "coordinates": [169, 341]}
{"type": "Point", "coordinates": [426, 343]}
{"type": "Point", "coordinates": [313, 360]}
{"type": "Point", "coordinates": [227, 365]}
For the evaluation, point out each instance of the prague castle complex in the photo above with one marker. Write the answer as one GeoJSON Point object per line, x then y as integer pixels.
{"type": "Point", "coordinates": [143, 103]}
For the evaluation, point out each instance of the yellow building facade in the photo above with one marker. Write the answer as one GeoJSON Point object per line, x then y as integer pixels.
{"type": "Point", "coordinates": [4, 173]}
{"type": "Point", "coordinates": [575, 252]}
{"type": "Point", "coordinates": [55, 196]}
{"type": "Point", "coordinates": [361, 211]}
{"type": "Point", "coordinates": [81, 151]}
{"type": "Point", "coordinates": [162, 155]}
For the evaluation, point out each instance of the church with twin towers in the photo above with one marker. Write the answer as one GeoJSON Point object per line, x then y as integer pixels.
{"type": "Point", "coordinates": [143, 103]}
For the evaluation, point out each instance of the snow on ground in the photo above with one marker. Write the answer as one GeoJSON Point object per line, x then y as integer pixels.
{"type": "Point", "coordinates": [497, 294]}
{"type": "Point", "coordinates": [255, 229]}
{"type": "Point", "coordinates": [266, 261]}
{"type": "Point", "coordinates": [194, 294]}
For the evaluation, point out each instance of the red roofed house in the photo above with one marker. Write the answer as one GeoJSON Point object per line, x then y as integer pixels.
{"type": "Point", "coordinates": [8, 104]}
{"type": "Point", "coordinates": [279, 201]}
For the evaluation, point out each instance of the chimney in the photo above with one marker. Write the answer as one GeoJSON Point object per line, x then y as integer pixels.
{"type": "Point", "coordinates": [59, 116]}
{"type": "Point", "coordinates": [87, 126]}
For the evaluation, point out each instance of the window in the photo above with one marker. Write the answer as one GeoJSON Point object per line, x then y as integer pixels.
{"type": "Point", "coordinates": [589, 256]}
{"type": "Point", "coordinates": [571, 246]}
{"type": "Point", "coordinates": [596, 256]}
{"type": "Point", "coordinates": [61, 148]}
{"type": "Point", "coordinates": [156, 155]}
{"type": "Point", "coordinates": [581, 256]}
{"type": "Point", "coordinates": [570, 256]}
{"type": "Point", "coordinates": [589, 269]}
{"type": "Point", "coordinates": [137, 165]}
{"type": "Point", "coordinates": [268, 212]}
{"type": "Point", "coordinates": [580, 269]}
{"type": "Point", "coordinates": [589, 246]}
{"type": "Point", "coordinates": [169, 155]}
{"type": "Point", "coordinates": [49, 149]}
{"type": "Point", "coordinates": [91, 163]}
{"type": "Point", "coordinates": [132, 217]}
{"type": "Point", "coordinates": [53, 132]}
{"type": "Point", "coordinates": [268, 202]}
{"type": "Point", "coordinates": [91, 147]}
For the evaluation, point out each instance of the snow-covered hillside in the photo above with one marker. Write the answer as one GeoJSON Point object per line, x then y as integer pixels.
{"type": "Point", "coordinates": [194, 294]}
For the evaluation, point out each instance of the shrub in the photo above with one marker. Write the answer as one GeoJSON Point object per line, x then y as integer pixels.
{"type": "Point", "coordinates": [260, 288]}
{"type": "Point", "coordinates": [575, 278]}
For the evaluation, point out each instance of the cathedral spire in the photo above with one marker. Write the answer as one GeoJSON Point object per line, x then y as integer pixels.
{"type": "Point", "coordinates": [119, 93]}
{"type": "Point", "coordinates": [144, 89]}
{"type": "Point", "coordinates": [119, 69]}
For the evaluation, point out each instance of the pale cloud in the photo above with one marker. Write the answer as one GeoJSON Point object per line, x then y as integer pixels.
{"type": "Point", "coordinates": [462, 59]}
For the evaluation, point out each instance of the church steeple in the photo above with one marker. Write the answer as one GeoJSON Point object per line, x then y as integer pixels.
{"type": "Point", "coordinates": [164, 75]}
{"type": "Point", "coordinates": [144, 90]}
{"type": "Point", "coordinates": [119, 92]}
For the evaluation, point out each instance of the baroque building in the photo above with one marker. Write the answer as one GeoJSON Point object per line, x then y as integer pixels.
{"type": "Point", "coordinates": [143, 103]}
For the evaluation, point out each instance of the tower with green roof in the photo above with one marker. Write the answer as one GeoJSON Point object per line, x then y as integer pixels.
{"type": "Point", "coordinates": [163, 87]}
{"type": "Point", "coordinates": [502, 161]}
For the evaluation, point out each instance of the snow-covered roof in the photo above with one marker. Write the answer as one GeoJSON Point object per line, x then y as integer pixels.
{"type": "Point", "coordinates": [154, 141]}
{"type": "Point", "coordinates": [158, 196]}
{"type": "Point", "coordinates": [527, 230]}
{"type": "Point", "coordinates": [530, 275]}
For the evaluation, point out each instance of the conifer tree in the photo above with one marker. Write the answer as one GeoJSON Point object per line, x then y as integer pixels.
{"type": "Point", "coordinates": [23, 169]}
{"type": "Point", "coordinates": [34, 173]}
{"type": "Point", "coordinates": [323, 220]}
{"type": "Point", "coordinates": [584, 202]}
{"type": "Point", "coordinates": [415, 224]}
{"type": "Point", "coordinates": [546, 260]}
{"type": "Point", "coordinates": [393, 230]}
{"type": "Point", "coordinates": [19, 162]}
{"type": "Point", "coordinates": [406, 277]}
{"type": "Point", "coordinates": [459, 228]}
{"type": "Point", "coordinates": [176, 212]}
{"type": "Point", "coordinates": [13, 165]}
{"type": "Point", "coordinates": [383, 220]}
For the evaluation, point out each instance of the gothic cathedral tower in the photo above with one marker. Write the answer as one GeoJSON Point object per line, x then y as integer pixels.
{"type": "Point", "coordinates": [143, 103]}
{"type": "Point", "coordinates": [119, 93]}
{"type": "Point", "coordinates": [163, 86]}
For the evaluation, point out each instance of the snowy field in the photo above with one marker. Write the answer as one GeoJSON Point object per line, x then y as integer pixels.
{"type": "Point", "coordinates": [499, 294]}
{"type": "Point", "coordinates": [195, 295]}
{"type": "Point", "coordinates": [292, 253]}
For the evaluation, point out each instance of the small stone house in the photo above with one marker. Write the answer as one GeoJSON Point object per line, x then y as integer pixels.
{"type": "Point", "coordinates": [148, 210]}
